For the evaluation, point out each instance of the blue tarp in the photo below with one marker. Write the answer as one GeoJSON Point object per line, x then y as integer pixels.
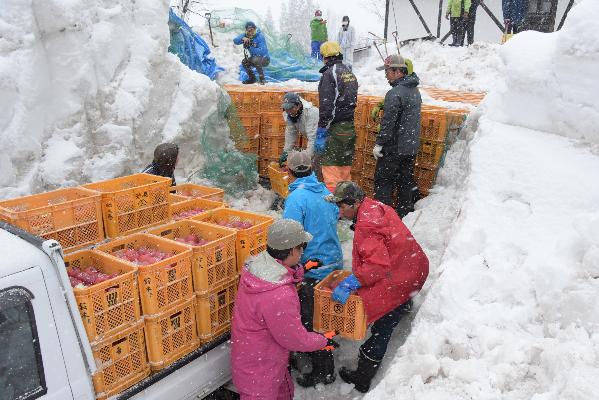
{"type": "Point", "coordinates": [191, 49]}
{"type": "Point", "coordinates": [284, 66]}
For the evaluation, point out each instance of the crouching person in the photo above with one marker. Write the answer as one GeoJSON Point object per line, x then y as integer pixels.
{"type": "Point", "coordinates": [266, 322]}
{"type": "Point", "coordinates": [389, 268]}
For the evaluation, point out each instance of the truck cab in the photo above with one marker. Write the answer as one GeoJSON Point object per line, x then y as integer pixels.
{"type": "Point", "coordinates": [45, 351]}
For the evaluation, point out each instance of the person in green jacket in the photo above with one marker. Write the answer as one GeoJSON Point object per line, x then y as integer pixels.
{"type": "Point", "coordinates": [457, 13]}
{"type": "Point", "coordinates": [318, 26]}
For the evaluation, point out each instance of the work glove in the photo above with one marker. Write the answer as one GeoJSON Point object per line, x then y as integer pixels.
{"type": "Point", "coordinates": [377, 151]}
{"type": "Point", "coordinates": [345, 288]}
{"type": "Point", "coordinates": [312, 264]}
{"type": "Point", "coordinates": [321, 139]}
{"type": "Point", "coordinates": [331, 344]}
{"type": "Point", "coordinates": [283, 159]}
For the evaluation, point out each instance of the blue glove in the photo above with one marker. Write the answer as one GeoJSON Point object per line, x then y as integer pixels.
{"type": "Point", "coordinates": [345, 288]}
{"type": "Point", "coordinates": [321, 139]}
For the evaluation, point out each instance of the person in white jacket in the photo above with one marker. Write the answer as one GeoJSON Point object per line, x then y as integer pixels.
{"type": "Point", "coordinates": [346, 37]}
{"type": "Point", "coordinates": [302, 119]}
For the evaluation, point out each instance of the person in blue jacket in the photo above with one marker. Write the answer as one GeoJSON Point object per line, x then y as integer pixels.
{"type": "Point", "coordinates": [255, 43]}
{"type": "Point", "coordinates": [306, 204]}
{"type": "Point", "coordinates": [513, 15]}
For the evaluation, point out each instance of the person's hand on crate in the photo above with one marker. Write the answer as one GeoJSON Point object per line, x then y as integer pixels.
{"type": "Point", "coordinates": [321, 139]}
{"type": "Point", "coordinates": [331, 344]}
{"type": "Point", "coordinates": [345, 289]}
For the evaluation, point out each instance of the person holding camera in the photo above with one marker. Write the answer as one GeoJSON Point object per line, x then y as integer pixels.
{"type": "Point", "coordinates": [254, 43]}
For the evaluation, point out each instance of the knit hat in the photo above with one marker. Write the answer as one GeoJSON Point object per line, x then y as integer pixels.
{"type": "Point", "coordinates": [249, 25]}
{"type": "Point", "coordinates": [285, 234]}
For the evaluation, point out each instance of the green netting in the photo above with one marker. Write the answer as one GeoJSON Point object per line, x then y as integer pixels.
{"type": "Point", "coordinates": [225, 166]}
{"type": "Point", "coordinates": [289, 59]}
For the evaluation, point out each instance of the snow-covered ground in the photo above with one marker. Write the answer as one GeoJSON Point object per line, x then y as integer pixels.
{"type": "Point", "coordinates": [511, 306]}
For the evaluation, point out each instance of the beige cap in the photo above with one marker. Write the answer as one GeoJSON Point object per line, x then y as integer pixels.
{"type": "Point", "coordinates": [285, 234]}
{"type": "Point", "coordinates": [393, 61]}
{"type": "Point", "coordinates": [299, 161]}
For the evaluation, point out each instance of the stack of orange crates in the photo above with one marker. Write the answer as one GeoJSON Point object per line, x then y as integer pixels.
{"type": "Point", "coordinates": [111, 317]}
{"type": "Point", "coordinates": [167, 296]}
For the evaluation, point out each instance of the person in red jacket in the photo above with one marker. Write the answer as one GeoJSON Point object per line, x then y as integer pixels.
{"type": "Point", "coordinates": [389, 268]}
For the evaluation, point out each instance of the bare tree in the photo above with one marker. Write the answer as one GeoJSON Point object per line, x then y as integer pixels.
{"type": "Point", "coordinates": [376, 7]}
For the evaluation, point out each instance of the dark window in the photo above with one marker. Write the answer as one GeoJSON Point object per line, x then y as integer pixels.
{"type": "Point", "coordinates": [21, 368]}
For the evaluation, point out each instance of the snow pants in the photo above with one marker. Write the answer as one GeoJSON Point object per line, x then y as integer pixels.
{"type": "Point", "coordinates": [457, 30]}
{"type": "Point", "coordinates": [286, 391]}
{"type": "Point", "coordinates": [338, 154]}
{"type": "Point", "coordinates": [471, 21]}
{"type": "Point", "coordinates": [395, 174]}
{"type": "Point", "coordinates": [259, 63]}
{"type": "Point", "coordinates": [315, 53]}
{"type": "Point", "coordinates": [381, 330]}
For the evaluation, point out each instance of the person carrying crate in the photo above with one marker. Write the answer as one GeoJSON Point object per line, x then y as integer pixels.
{"type": "Point", "coordinates": [306, 205]}
{"type": "Point", "coordinates": [389, 267]}
{"type": "Point", "coordinates": [266, 322]}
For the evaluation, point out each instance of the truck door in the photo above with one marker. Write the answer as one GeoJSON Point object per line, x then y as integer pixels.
{"type": "Point", "coordinates": [31, 361]}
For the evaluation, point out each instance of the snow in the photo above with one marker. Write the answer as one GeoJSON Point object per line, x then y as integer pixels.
{"type": "Point", "coordinates": [510, 309]}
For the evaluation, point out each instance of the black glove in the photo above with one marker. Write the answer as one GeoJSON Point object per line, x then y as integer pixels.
{"type": "Point", "coordinates": [331, 344]}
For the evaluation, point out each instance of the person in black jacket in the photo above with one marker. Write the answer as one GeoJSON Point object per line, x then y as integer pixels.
{"type": "Point", "coordinates": [398, 140]}
{"type": "Point", "coordinates": [336, 133]}
{"type": "Point", "coordinates": [165, 160]}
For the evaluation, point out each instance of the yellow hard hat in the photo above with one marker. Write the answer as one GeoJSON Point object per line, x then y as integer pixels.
{"type": "Point", "coordinates": [330, 49]}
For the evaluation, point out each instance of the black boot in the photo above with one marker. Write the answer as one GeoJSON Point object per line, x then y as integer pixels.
{"type": "Point", "coordinates": [361, 377]}
{"type": "Point", "coordinates": [323, 370]}
{"type": "Point", "coordinates": [251, 79]}
{"type": "Point", "coordinates": [247, 66]}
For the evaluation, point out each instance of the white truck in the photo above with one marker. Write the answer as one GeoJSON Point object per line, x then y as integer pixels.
{"type": "Point", "coordinates": [44, 351]}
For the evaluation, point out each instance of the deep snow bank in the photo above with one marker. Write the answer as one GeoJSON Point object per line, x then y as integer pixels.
{"type": "Point", "coordinates": [88, 89]}
{"type": "Point", "coordinates": [510, 309]}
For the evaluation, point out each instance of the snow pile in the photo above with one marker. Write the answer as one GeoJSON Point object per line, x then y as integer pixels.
{"type": "Point", "coordinates": [88, 90]}
{"type": "Point", "coordinates": [511, 308]}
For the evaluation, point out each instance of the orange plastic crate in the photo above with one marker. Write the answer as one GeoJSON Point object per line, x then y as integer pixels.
{"type": "Point", "coordinates": [163, 283]}
{"type": "Point", "coordinates": [245, 102]}
{"type": "Point", "coordinates": [348, 319]}
{"type": "Point", "coordinates": [121, 361]}
{"type": "Point", "coordinates": [72, 216]}
{"type": "Point", "coordinates": [212, 263]}
{"type": "Point", "coordinates": [250, 241]}
{"type": "Point", "coordinates": [312, 97]}
{"type": "Point", "coordinates": [133, 202]}
{"type": "Point", "coordinates": [108, 307]}
{"type": "Point", "coordinates": [263, 164]}
{"type": "Point", "coordinates": [433, 125]}
{"type": "Point", "coordinates": [271, 147]}
{"type": "Point", "coordinates": [193, 204]}
{"type": "Point", "coordinates": [425, 176]}
{"type": "Point", "coordinates": [215, 310]}
{"type": "Point", "coordinates": [204, 192]}
{"type": "Point", "coordinates": [175, 198]}
{"type": "Point", "coordinates": [369, 166]}
{"type": "Point", "coordinates": [271, 101]}
{"type": "Point", "coordinates": [367, 184]}
{"type": "Point", "coordinates": [251, 123]}
{"type": "Point", "coordinates": [279, 180]}
{"type": "Point", "coordinates": [358, 162]}
{"type": "Point", "coordinates": [361, 133]}
{"type": "Point", "coordinates": [272, 124]}
{"type": "Point", "coordinates": [430, 152]}
{"type": "Point", "coordinates": [171, 335]}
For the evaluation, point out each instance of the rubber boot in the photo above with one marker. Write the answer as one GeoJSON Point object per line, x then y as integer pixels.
{"type": "Point", "coordinates": [323, 370]}
{"type": "Point", "coordinates": [361, 377]}
{"type": "Point", "coordinates": [250, 72]}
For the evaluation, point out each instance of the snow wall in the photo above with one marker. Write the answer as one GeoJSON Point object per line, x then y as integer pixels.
{"type": "Point", "coordinates": [88, 89]}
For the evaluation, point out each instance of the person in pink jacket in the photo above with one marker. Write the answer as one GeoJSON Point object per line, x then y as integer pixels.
{"type": "Point", "coordinates": [266, 323]}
